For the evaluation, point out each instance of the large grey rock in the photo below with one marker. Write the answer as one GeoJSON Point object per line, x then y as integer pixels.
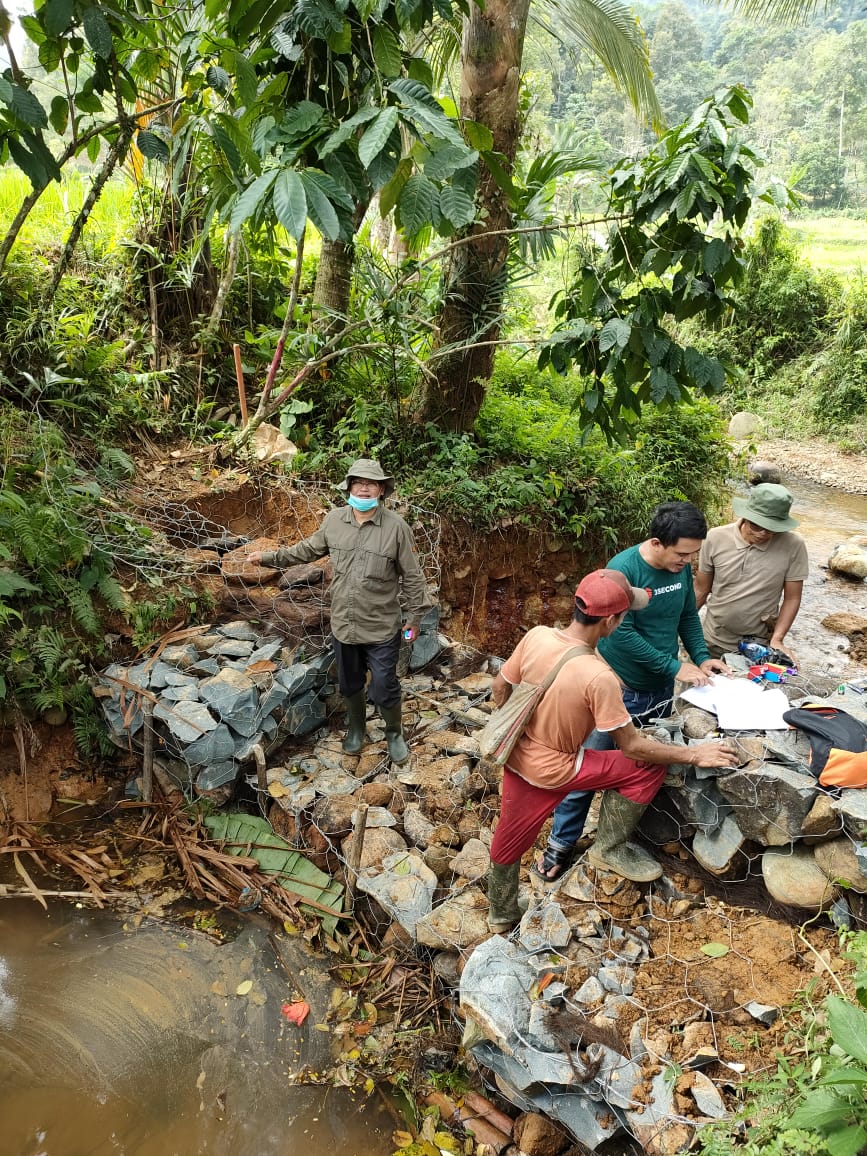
{"type": "Point", "coordinates": [232, 648]}
{"type": "Point", "coordinates": [770, 803]}
{"type": "Point", "coordinates": [216, 776]}
{"type": "Point", "coordinates": [838, 860]}
{"type": "Point", "coordinates": [417, 827]}
{"type": "Point", "coordinates": [305, 714]}
{"type": "Point", "coordinates": [699, 802]}
{"type": "Point", "coordinates": [716, 850]}
{"type": "Point", "coordinates": [494, 991]}
{"type": "Point", "coordinates": [707, 1099]}
{"type": "Point", "coordinates": [265, 652]}
{"type": "Point", "coordinates": [472, 862]}
{"type": "Point", "coordinates": [793, 876]}
{"type": "Point", "coordinates": [744, 424]}
{"type": "Point", "coordinates": [297, 679]}
{"type": "Point", "coordinates": [188, 693]}
{"type": "Point", "coordinates": [459, 922]}
{"type": "Point", "coordinates": [544, 926]}
{"type": "Point", "coordinates": [240, 629]}
{"type": "Point", "coordinates": [850, 558]}
{"type": "Point", "coordinates": [180, 656]}
{"type": "Point", "coordinates": [215, 747]}
{"type": "Point", "coordinates": [616, 1075]}
{"type": "Point", "coordinates": [187, 721]}
{"type": "Point", "coordinates": [403, 887]}
{"type": "Point", "coordinates": [852, 809]}
{"type": "Point", "coordinates": [273, 699]}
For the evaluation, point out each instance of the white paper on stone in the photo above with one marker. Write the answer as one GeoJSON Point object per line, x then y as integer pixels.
{"type": "Point", "coordinates": [740, 704]}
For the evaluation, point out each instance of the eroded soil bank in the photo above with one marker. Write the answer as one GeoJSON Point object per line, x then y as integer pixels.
{"type": "Point", "coordinates": [491, 590]}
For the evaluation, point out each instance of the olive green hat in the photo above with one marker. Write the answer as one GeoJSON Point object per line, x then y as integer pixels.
{"type": "Point", "coordinates": [372, 471]}
{"type": "Point", "coordinates": [767, 506]}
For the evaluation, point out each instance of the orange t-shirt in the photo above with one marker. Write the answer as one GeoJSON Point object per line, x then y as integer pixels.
{"type": "Point", "coordinates": [585, 694]}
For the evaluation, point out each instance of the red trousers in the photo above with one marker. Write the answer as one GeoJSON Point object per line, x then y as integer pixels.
{"type": "Point", "coordinates": [525, 807]}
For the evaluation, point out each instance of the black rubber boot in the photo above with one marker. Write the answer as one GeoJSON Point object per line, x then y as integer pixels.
{"type": "Point", "coordinates": [398, 751]}
{"type": "Point", "coordinates": [356, 716]}
{"type": "Point", "coordinates": [618, 818]}
{"type": "Point", "coordinates": [503, 910]}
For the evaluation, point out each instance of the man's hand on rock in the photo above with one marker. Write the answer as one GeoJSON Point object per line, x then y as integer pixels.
{"type": "Point", "coordinates": [693, 674]}
{"type": "Point", "coordinates": [714, 755]}
{"type": "Point", "coordinates": [715, 666]}
{"type": "Point", "coordinates": [255, 557]}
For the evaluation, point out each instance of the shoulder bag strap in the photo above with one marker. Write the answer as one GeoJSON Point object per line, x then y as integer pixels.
{"type": "Point", "coordinates": [572, 652]}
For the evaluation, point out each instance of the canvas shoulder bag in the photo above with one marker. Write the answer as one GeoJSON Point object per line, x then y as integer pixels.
{"type": "Point", "coordinates": [506, 725]}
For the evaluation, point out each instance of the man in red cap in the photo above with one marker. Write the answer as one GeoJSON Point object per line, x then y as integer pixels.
{"type": "Point", "coordinates": [548, 761]}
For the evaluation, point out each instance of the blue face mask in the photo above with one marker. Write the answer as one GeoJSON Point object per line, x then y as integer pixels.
{"type": "Point", "coordinates": [362, 504]}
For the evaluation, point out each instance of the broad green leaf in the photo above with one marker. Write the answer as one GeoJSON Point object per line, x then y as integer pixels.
{"type": "Point", "coordinates": [848, 1024]}
{"type": "Point", "coordinates": [386, 51]}
{"type": "Point", "coordinates": [246, 82]}
{"type": "Point", "coordinates": [49, 55]}
{"type": "Point", "coordinates": [59, 114]}
{"type": "Point", "coordinates": [300, 119]}
{"type": "Point", "coordinates": [389, 193]}
{"type": "Point", "coordinates": [457, 207]}
{"type": "Point", "coordinates": [57, 16]}
{"type": "Point", "coordinates": [715, 255]}
{"type": "Point", "coordinates": [479, 136]}
{"type": "Point", "coordinates": [88, 102]}
{"type": "Point", "coordinates": [290, 203]}
{"type": "Point", "coordinates": [405, 10]}
{"type": "Point", "coordinates": [250, 199]}
{"type": "Point", "coordinates": [663, 385]}
{"type": "Point", "coordinates": [24, 104]}
{"type": "Point", "coordinates": [93, 147]}
{"type": "Point", "coordinates": [321, 210]}
{"type": "Point", "coordinates": [615, 332]}
{"type": "Point", "coordinates": [285, 44]}
{"type": "Point", "coordinates": [715, 950]}
{"type": "Point", "coordinates": [217, 78]}
{"type": "Point", "coordinates": [416, 202]}
{"type": "Point", "coordinates": [376, 136]}
{"type": "Point", "coordinates": [819, 1111]}
{"type": "Point", "coordinates": [340, 42]}
{"type": "Point", "coordinates": [345, 130]}
{"type": "Point", "coordinates": [446, 160]}
{"type": "Point", "coordinates": [97, 31]}
{"type": "Point", "coordinates": [31, 165]}
{"type": "Point", "coordinates": [228, 147]}
{"type": "Point", "coordinates": [419, 69]}
{"type": "Point", "coordinates": [411, 92]}
{"type": "Point", "coordinates": [33, 28]}
{"type": "Point", "coordinates": [152, 146]}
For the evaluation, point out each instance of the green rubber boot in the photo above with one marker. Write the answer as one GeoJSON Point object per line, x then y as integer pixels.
{"type": "Point", "coordinates": [618, 818]}
{"type": "Point", "coordinates": [398, 751]}
{"type": "Point", "coordinates": [503, 910]}
{"type": "Point", "coordinates": [356, 717]}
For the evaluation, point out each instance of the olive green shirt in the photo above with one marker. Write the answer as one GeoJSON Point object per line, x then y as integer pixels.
{"type": "Point", "coordinates": [374, 563]}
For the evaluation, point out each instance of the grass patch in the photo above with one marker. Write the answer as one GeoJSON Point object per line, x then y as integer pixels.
{"type": "Point", "coordinates": [835, 245]}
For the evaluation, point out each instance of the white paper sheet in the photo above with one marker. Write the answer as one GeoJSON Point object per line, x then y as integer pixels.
{"type": "Point", "coordinates": [740, 704]}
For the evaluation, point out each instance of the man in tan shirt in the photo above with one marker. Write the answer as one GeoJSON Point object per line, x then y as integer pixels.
{"type": "Point", "coordinates": [751, 573]}
{"type": "Point", "coordinates": [548, 761]}
{"type": "Point", "coordinates": [374, 563]}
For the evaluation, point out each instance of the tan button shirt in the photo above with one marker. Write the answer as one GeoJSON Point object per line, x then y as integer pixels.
{"type": "Point", "coordinates": [747, 582]}
{"type": "Point", "coordinates": [375, 567]}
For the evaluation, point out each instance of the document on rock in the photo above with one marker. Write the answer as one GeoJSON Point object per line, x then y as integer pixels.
{"type": "Point", "coordinates": [741, 705]}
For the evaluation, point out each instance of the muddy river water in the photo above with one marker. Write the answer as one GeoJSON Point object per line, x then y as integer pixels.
{"type": "Point", "coordinates": [146, 1041]}
{"type": "Point", "coordinates": [133, 1041]}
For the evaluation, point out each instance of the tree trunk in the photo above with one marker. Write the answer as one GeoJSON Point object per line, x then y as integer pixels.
{"type": "Point", "coordinates": [333, 285]}
{"type": "Point", "coordinates": [469, 321]}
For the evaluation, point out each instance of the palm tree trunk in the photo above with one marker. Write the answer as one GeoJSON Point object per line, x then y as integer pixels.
{"type": "Point", "coordinates": [469, 321]}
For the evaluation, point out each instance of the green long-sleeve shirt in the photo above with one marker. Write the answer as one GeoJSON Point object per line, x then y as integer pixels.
{"type": "Point", "coordinates": [374, 563]}
{"type": "Point", "coordinates": [643, 649]}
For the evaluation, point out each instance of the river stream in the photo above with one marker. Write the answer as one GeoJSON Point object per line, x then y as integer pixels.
{"type": "Point", "coordinates": [134, 1041]}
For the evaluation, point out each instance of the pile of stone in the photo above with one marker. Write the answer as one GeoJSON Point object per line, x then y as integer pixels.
{"type": "Point", "coordinates": [217, 694]}
{"type": "Point", "coordinates": [810, 842]}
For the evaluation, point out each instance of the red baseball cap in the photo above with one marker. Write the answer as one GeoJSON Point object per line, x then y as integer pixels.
{"type": "Point", "coordinates": [605, 592]}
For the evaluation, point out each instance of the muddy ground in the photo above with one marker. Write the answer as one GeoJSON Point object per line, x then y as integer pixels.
{"type": "Point", "coordinates": [491, 593]}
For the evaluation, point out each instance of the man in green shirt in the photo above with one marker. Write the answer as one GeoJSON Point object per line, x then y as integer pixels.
{"type": "Point", "coordinates": [643, 653]}
{"type": "Point", "coordinates": [374, 564]}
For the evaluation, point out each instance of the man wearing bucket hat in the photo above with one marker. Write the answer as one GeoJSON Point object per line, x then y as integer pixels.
{"type": "Point", "coordinates": [751, 572]}
{"type": "Point", "coordinates": [375, 565]}
{"type": "Point", "coordinates": [549, 761]}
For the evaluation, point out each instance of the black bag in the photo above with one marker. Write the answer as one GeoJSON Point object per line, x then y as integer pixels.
{"type": "Point", "coordinates": [832, 732]}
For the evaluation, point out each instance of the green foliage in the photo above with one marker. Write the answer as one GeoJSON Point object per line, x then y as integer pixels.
{"type": "Point", "coordinates": [814, 1106]}
{"type": "Point", "coordinates": [672, 253]}
{"type": "Point", "coordinates": [56, 569]}
{"type": "Point", "coordinates": [531, 463]}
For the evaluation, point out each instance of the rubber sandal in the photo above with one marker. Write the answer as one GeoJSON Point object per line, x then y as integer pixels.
{"type": "Point", "coordinates": [554, 859]}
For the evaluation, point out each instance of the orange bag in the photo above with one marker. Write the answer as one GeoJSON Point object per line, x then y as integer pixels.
{"type": "Point", "coordinates": [844, 769]}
